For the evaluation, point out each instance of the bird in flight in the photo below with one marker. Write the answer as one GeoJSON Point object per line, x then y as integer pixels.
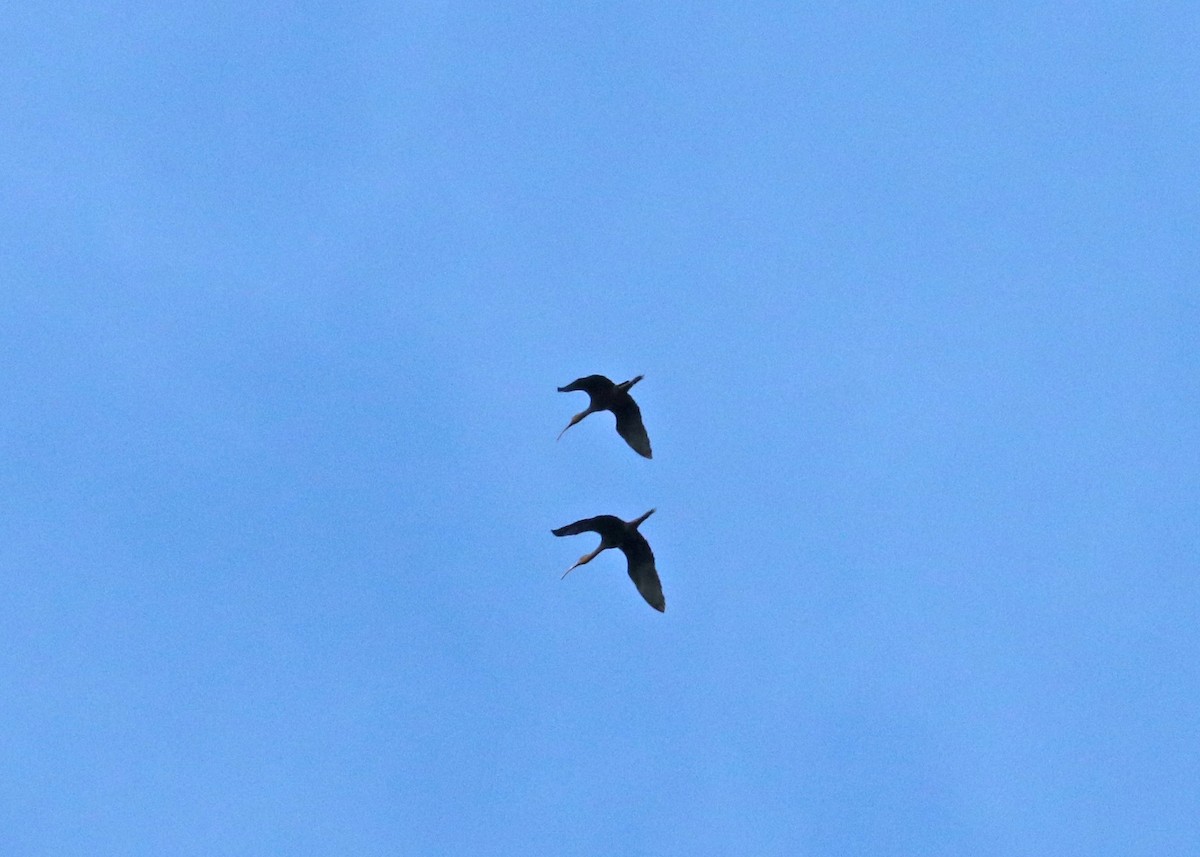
{"type": "Point", "coordinates": [615, 533]}
{"type": "Point", "coordinates": [607, 396]}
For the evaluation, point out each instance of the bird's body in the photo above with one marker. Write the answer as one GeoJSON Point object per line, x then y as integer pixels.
{"type": "Point", "coordinates": [615, 533]}
{"type": "Point", "coordinates": [604, 395]}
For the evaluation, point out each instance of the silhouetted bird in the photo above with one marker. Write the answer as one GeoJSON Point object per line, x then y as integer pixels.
{"type": "Point", "coordinates": [607, 396]}
{"type": "Point", "coordinates": [615, 533]}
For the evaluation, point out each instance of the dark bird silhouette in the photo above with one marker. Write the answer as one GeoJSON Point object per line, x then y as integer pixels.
{"type": "Point", "coordinates": [615, 533]}
{"type": "Point", "coordinates": [607, 396]}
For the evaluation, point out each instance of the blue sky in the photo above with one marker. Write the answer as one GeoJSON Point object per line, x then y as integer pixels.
{"type": "Point", "coordinates": [285, 294]}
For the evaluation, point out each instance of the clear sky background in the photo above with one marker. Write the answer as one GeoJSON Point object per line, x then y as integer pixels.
{"type": "Point", "coordinates": [285, 294]}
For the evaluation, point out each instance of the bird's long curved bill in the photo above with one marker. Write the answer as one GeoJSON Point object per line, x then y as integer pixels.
{"type": "Point", "coordinates": [574, 419]}
{"type": "Point", "coordinates": [583, 560]}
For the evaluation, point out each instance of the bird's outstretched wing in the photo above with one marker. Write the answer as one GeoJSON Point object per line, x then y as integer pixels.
{"type": "Point", "coordinates": [630, 425]}
{"type": "Point", "coordinates": [642, 572]}
{"type": "Point", "coordinates": [601, 524]}
{"type": "Point", "coordinates": [593, 385]}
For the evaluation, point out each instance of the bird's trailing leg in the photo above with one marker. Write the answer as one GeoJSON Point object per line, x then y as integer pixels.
{"type": "Point", "coordinates": [637, 522]}
{"type": "Point", "coordinates": [574, 420]}
{"type": "Point", "coordinates": [625, 385]}
{"type": "Point", "coordinates": [583, 560]}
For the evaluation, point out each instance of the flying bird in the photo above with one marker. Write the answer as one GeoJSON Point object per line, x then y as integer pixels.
{"type": "Point", "coordinates": [607, 396]}
{"type": "Point", "coordinates": [615, 533]}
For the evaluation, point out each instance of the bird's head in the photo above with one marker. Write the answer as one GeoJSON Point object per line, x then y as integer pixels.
{"type": "Point", "coordinates": [574, 420]}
